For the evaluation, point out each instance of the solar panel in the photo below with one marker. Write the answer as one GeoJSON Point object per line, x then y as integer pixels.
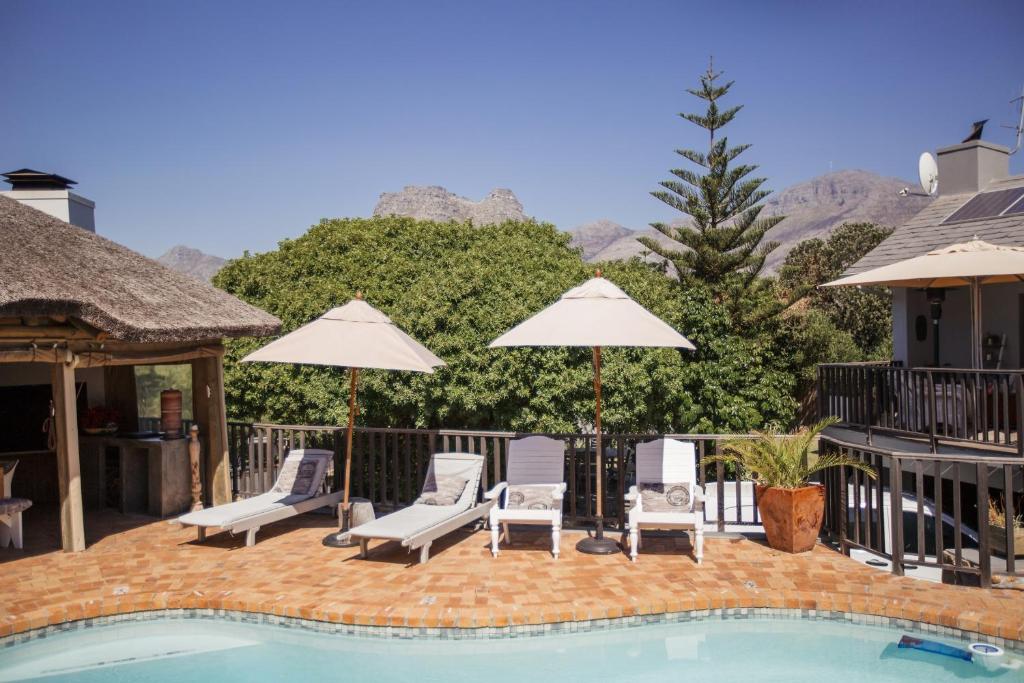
{"type": "Point", "coordinates": [986, 205]}
{"type": "Point", "coordinates": [1016, 208]}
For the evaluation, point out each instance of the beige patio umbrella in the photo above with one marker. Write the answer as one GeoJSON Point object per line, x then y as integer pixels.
{"type": "Point", "coordinates": [355, 336]}
{"type": "Point", "coordinates": [971, 264]}
{"type": "Point", "coordinates": [595, 314]}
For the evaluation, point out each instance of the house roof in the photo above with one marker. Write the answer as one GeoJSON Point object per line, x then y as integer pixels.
{"type": "Point", "coordinates": [925, 231]}
{"type": "Point", "coordinates": [49, 267]}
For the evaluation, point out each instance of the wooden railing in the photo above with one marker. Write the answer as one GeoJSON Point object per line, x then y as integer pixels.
{"type": "Point", "coordinates": [388, 465]}
{"type": "Point", "coordinates": [928, 510]}
{"type": "Point", "coordinates": [942, 404]}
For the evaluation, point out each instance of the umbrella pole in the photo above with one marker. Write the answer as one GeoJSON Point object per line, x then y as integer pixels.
{"type": "Point", "coordinates": [598, 544]}
{"type": "Point", "coordinates": [976, 350]}
{"type": "Point", "coordinates": [342, 539]}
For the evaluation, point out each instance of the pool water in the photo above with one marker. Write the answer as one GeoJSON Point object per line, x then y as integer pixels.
{"type": "Point", "coordinates": [182, 650]}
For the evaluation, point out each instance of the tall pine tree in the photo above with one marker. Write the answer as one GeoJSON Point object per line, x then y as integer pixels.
{"type": "Point", "coordinates": [724, 237]}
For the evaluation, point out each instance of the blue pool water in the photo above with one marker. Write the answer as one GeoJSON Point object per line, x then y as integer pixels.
{"type": "Point", "coordinates": [182, 650]}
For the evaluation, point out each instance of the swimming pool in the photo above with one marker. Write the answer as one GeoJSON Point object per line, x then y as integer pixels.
{"type": "Point", "coordinates": [790, 650]}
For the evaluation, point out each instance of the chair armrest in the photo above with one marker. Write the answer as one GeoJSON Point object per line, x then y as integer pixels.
{"type": "Point", "coordinates": [633, 494]}
{"type": "Point", "coordinates": [698, 498]}
{"type": "Point", "coordinates": [496, 491]}
{"type": "Point", "coordinates": [558, 492]}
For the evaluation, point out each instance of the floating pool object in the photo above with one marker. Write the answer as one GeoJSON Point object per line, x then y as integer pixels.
{"type": "Point", "coordinates": [986, 655]}
{"type": "Point", "coordinates": [935, 648]}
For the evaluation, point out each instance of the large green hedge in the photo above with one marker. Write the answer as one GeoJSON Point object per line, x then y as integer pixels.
{"type": "Point", "coordinates": [455, 287]}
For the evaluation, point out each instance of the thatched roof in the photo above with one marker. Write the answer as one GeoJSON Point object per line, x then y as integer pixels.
{"type": "Point", "coordinates": [52, 268]}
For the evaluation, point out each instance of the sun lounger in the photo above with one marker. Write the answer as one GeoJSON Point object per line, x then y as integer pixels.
{"type": "Point", "coordinates": [297, 490]}
{"type": "Point", "coordinates": [532, 493]}
{"type": "Point", "coordinates": [665, 473]}
{"type": "Point", "coordinates": [440, 509]}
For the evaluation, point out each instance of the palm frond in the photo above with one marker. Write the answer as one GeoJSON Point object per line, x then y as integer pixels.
{"type": "Point", "coordinates": [782, 460]}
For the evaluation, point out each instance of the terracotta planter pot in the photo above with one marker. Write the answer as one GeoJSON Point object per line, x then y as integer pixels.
{"type": "Point", "coordinates": [998, 536]}
{"type": "Point", "coordinates": [792, 518]}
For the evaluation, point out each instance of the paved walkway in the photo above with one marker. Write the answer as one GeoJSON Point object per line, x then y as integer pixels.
{"type": "Point", "coordinates": [134, 563]}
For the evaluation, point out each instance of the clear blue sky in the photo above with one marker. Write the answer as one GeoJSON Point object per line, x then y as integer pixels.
{"type": "Point", "coordinates": [231, 125]}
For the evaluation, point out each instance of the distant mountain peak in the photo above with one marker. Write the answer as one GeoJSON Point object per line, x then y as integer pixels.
{"type": "Point", "coordinates": [813, 208]}
{"type": "Point", "coordinates": [192, 262]}
{"type": "Point", "coordinates": [435, 203]}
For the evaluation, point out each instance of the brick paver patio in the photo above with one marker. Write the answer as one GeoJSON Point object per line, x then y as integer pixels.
{"type": "Point", "coordinates": [135, 563]}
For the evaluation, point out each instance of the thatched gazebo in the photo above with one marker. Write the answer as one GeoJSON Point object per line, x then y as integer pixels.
{"type": "Point", "coordinates": [91, 309]}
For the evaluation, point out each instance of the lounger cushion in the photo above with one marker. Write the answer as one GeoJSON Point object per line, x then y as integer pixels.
{"type": "Point", "coordinates": [530, 497]}
{"type": "Point", "coordinates": [232, 513]}
{"type": "Point", "coordinates": [442, 489]}
{"type": "Point", "coordinates": [301, 477]}
{"type": "Point", "coordinates": [667, 497]}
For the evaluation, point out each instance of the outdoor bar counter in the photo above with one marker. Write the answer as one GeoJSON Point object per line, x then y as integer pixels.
{"type": "Point", "coordinates": [143, 475]}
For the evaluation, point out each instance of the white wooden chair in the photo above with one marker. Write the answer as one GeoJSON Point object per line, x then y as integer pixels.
{"type": "Point", "coordinates": [10, 521]}
{"type": "Point", "coordinates": [533, 490]}
{"type": "Point", "coordinates": [658, 463]}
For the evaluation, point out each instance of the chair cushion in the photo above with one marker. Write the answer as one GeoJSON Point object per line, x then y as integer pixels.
{"type": "Point", "coordinates": [442, 489]}
{"type": "Point", "coordinates": [300, 477]}
{"type": "Point", "coordinates": [530, 497]}
{"type": "Point", "coordinates": [10, 506]}
{"type": "Point", "coordinates": [666, 497]}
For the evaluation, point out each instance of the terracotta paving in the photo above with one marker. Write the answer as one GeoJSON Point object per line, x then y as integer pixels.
{"type": "Point", "coordinates": [134, 563]}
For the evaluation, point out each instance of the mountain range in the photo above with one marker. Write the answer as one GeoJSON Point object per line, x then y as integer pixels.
{"type": "Point", "coordinates": [812, 209]}
{"type": "Point", "coordinates": [192, 262]}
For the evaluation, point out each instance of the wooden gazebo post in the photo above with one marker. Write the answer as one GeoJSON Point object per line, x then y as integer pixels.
{"type": "Point", "coordinates": [65, 420]}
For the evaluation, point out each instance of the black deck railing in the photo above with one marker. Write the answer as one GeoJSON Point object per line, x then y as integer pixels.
{"type": "Point", "coordinates": [929, 510]}
{"type": "Point", "coordinates": [388, 465]}
{"type": "Point", "coordinates": [942, 404]}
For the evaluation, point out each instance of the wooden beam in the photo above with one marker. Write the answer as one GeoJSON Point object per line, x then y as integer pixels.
{"type": "Point", "coordinates": [72, 526]}
{"type": "Point", "coordinates": [208, 410]}
{"type": "Point", "coordinates": [87, 358]}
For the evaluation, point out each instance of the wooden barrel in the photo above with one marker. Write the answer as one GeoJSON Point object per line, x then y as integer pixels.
{"type": "Point", "coordinates": [170, 413]}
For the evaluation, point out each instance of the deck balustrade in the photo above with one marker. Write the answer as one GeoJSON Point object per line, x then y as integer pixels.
{"type": "Point", "coordinates": [944, 405]}
{"type": "Point", "coordinates": [389, 465]}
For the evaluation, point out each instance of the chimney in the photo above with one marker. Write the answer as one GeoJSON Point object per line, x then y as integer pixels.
{"type": "Point", "coordinates": [971, 166]}
{"type": "Point", "coordinates": [50, 193]}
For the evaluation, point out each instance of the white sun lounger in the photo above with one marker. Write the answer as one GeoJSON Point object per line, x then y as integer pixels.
{"type": "Point", "coordinates": [667, 461]}
{"type": "Point", "coordinates": [295, 492]}
{"type": "Point", "coordinates": [536, 462]}
{"type": "Point", "coordinates": [418, 525]}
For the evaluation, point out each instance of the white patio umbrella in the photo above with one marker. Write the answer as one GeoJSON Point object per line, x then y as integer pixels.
{"type": "Point", "coordinates": [971, 264]}
{"type": "Point", "coordinates": [355, 336]}
{"type": "Point", "coordinates": [595, 314]}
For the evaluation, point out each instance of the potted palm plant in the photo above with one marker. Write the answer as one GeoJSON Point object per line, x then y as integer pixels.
{"type": "Point", "coordinates": [792, 508]}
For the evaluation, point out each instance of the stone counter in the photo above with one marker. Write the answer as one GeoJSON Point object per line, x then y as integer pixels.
{"type": "Point", "coordinates": [136, 475]}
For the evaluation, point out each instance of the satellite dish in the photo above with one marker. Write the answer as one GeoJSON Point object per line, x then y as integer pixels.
{"type": "Point", "coordinates": [928, 171]}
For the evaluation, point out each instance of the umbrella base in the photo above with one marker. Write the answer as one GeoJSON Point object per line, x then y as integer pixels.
{"type": "Point", "coordinates": [340, 539]}
{"type": "Point", "coordinates": [598, 544]}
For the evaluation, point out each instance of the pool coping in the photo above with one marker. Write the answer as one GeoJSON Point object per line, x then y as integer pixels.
{"type": "Point", "coordinates": [519, 630]}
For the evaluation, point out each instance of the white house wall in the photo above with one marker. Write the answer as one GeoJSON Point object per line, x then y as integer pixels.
{"type": "Point", "coordinates": [1000, 315]}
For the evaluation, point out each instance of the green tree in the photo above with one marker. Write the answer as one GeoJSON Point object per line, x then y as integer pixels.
{"type": "Point", "coordinates": [455, 287]}
{"type": "Point", "coordinates": [864, 313]}
{"type": "Point", "coordinates": [723, 239]}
